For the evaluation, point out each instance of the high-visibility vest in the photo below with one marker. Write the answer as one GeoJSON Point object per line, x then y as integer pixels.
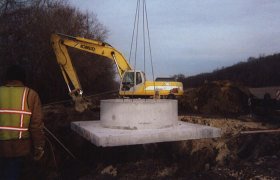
{"type": "Point", "coordinates": [14, 113]}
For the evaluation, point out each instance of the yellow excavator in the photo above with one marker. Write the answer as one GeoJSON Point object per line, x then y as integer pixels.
{"type": "Point", "coordinates": [133, 82]}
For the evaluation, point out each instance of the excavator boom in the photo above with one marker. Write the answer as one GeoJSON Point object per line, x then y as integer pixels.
{"type": "Point", "coordinates": [60, 43]}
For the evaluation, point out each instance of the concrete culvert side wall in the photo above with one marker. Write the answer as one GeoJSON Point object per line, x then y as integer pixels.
{"type": "Point", "coordinates": [138, 113]}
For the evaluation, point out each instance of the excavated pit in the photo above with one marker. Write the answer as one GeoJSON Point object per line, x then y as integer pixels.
{"type": "Point", "coordinates": [140, 121]}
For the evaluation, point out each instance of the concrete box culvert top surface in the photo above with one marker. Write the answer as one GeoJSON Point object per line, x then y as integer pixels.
{"type": "Point", "coordinates": [138, 113]}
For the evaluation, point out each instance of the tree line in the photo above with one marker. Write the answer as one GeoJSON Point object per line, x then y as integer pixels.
{"type": "Point", "coordinates": [255, 72]}
{"type": "Point", "coordinates": [25, 30]}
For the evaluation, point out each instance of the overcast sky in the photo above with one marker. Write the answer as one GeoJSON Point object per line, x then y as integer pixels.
{"type": "Point", "coordinates": [193, 36]}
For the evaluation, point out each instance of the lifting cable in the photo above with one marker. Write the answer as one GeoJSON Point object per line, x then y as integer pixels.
{"type": "Point", "coordinates": [144, 43]}
{"type": "Point", "coordinates": [134, 39]}
{"type": "Point", "coordinates": [150, 47]}
{"type": "Point", "coordinates": [136, 46]}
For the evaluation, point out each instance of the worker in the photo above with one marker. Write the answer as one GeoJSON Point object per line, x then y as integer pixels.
{"type": "Point", "coordinates": [21, 125]}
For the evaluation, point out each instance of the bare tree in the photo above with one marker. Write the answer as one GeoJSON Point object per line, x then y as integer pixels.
{"type": "Point", "coordinates": [25, 30]}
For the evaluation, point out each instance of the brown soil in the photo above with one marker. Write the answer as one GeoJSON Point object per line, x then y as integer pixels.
{"type": "Point", "coordinates": [216, 98]}
{"type": "Point", "coordinates": [233, 156]}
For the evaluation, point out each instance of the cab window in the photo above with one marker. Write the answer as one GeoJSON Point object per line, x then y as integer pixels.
{"type": "Point", "coordinates": [138, 78]}
{"type": "Point", "coordinates": [129, 78]}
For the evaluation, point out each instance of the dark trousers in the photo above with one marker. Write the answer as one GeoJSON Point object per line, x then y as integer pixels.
{"type": "Point", "coordinates": [10, 168]}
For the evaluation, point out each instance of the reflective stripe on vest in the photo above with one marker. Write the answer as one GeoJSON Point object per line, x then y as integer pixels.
{"type": "Point", "coordinates": [14, 113]}
{"type": "Point", "coordinates": [14, 129]}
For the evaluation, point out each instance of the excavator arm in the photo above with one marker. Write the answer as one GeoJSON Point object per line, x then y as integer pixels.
{"type": "Point", "coordinates": [60, 43]}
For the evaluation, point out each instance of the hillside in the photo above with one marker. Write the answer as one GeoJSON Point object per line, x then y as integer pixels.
{"type": "Point", "coordinates": [256, 72]}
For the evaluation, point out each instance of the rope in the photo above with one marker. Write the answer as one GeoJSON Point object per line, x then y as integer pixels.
{"type": "Point", "coordinates": [60, 143]}
{"type": "Point", "coordinates": [52, 151]}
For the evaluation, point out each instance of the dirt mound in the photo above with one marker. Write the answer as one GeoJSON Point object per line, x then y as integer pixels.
{"type": "Point", "coordinates": [216, 98]}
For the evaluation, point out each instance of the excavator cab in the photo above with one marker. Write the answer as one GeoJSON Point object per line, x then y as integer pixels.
{"type": "Point", "coordinates": [131, 79]}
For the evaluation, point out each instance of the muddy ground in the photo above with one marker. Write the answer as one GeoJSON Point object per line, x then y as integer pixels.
{"type": "Point", "coordinates": [233, 156]}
